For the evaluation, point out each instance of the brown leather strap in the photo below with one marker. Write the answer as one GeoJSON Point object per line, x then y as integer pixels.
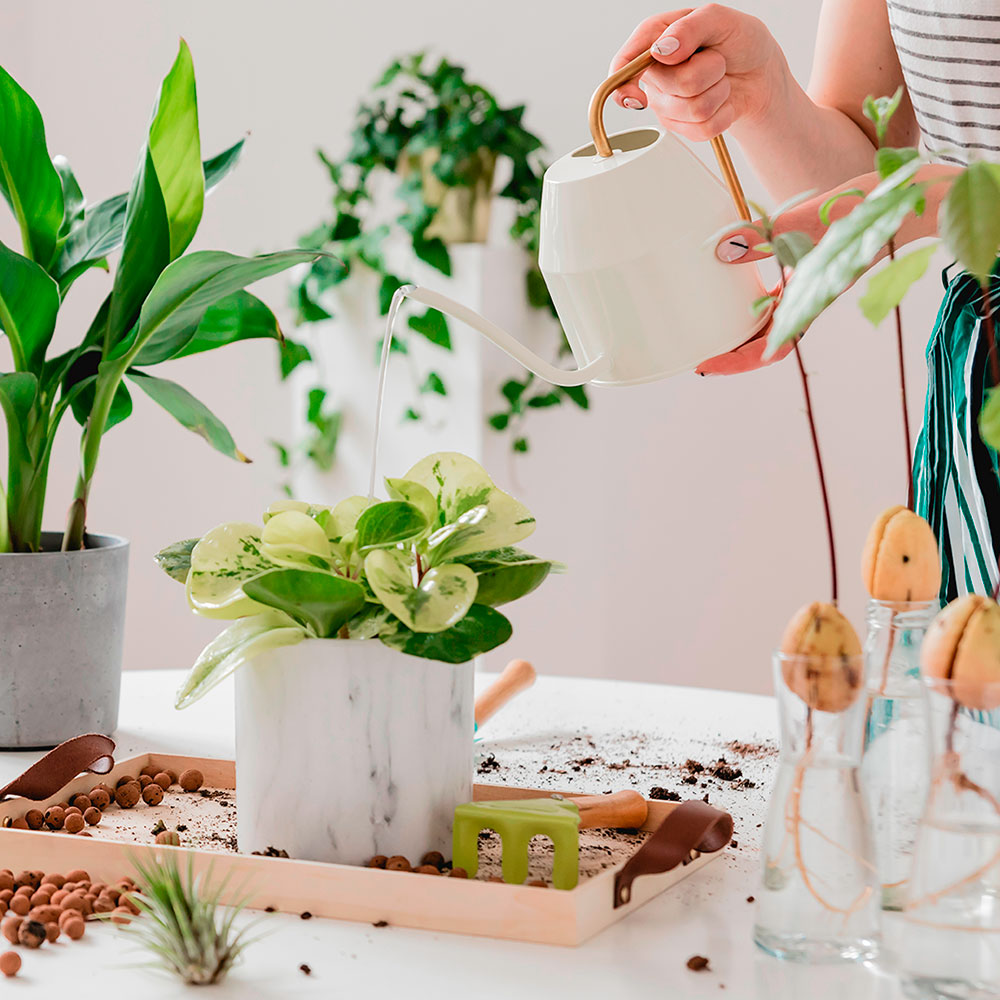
{"type": "Point", "coordinates": [692, 826]}
{"type": "Point", "coordinates": [90, 752]}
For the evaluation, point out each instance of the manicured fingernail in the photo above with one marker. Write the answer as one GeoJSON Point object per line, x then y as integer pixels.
{"type": "Point", "coordinates": [665, 45]}
{"type": "Point", "coordinates": [632, 103]}
{"type": "Point", "coordinates": [732, 249]}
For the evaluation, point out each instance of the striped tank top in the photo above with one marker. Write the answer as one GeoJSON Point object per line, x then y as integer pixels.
{"type": "Point", "coordinates": [949, 51]}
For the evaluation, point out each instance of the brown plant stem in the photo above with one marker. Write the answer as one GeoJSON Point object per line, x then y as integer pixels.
{"type": "Point", "coordinates": [902, 393]}
{"type": "Point", "coordinates": [819, 470]}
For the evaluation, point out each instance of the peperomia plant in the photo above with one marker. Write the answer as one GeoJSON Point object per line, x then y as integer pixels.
{"type": "Point", "coordinates": [423, 571]}
{"type": "Point", "coordinates": [162, 305]}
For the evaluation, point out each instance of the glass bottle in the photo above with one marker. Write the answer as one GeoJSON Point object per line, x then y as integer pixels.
{"type": "Point", "coordinates": [894, 775]}
{"type": "Point", "coordinates": [819, 892]}
{"type": "Point", "coordinates": [951, 942]}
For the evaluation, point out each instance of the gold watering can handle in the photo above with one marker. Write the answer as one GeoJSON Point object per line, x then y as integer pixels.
{"type": "Point", "coordinates": [628, 72]}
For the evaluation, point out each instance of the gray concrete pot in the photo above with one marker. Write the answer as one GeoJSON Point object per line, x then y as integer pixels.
{"type": "Point", "coordinates": [62, 622]}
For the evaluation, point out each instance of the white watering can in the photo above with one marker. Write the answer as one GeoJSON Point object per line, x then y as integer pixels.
{"type": "Point", "coordinates": [624, 223]}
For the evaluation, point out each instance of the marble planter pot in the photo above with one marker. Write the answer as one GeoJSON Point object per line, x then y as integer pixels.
{"type": "Point", "coordinates": [62, 623]}
{"type": "Point", "coordinates": [346, 749]}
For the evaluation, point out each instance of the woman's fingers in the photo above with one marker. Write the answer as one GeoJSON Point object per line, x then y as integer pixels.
{"type": "Point", "coordinates": [699, 29]}
{"type": "Point", "coordinates": [748, 356]}
{"type": "Point", "coordinates": [630, 95]}
{"type": "Point", "coordinates": [737, 247]}
{"type": "Point", "coordinates": [699, 73]}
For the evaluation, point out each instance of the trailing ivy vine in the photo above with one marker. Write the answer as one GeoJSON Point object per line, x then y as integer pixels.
{"type": "Point", "coordinates": [435, 131]}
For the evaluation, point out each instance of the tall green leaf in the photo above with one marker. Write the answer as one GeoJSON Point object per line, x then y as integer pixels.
{"type": "Point", "coordinates": [73, 200]}
{"type": "Point", "coordinates": [218, 166]}
{"type": "Point", "coordinates": [17, 397]}
{"type": "Point", "coordinates": [29, 303]}
{"type": "Point", "coordinates": [189, 412]}
{"type": "Point", "coordinates": [970, 219]}
{"type": "Point", "coordinates": [175, 145]}
{"type": "Point", "coordinates": [28, 180]}
{"type": "Point", "coordinates": [191, 284]}
{"type": "Point", "coordinates": [240, 316]}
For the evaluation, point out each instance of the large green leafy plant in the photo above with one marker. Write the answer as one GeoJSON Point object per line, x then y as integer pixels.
{"type": "Point", "coordinates": [162, 304]}
{"type": "Point", "coordinates": [423, 571]}
{"type": "Point", "coordinates": [436, 133]}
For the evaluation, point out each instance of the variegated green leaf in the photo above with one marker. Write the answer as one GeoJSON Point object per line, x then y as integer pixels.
{"type": "Point", "coordinates": [238, 644]}
{"type": "Point", "coordinates": [419, 496]}
{"type": "Point", "coordinates": [386, 524]}
{"type": "Point", "coordinates": [294, 539]}
{"type": "Point", "coordinates": [220, 563]}
{"type": "Point", "coordinates": [442, 597]}
{"type": "Point", "coordinates": [175, 560]}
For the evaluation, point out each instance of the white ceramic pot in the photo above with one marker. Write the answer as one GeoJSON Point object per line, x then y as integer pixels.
{"type": "Point", "coordinates": [346, 749]}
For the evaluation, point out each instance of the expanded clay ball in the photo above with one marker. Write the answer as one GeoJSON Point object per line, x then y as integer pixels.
{"type": "Point", "coordinates": [170, 837]}
{"type": "Point", "coordinates": [81, 802]}
{"type": "Point", "coordinates": [127, 795]}
{"type": "Point", "coordinates": [149, 771]}
{"type": "Point", "coordinates": [435, 858]}
{"type": "Point", "coordinates": [458, 873]}
{"type": "Point", "coordinates": [192, 779]}
{"type": "Point", "coordinates": [31, 934]}
{"type": "Point", "coordinates": [377, 862]}
{"type": "Point", "coordinates": [74, 929]}
{"type": "Point", "coordinates": [19, 905]}
{"type": "Point", "coordinates": [152, 794]}
{"type": "Point", "coordinates": [100, 799]}
{"type": "Point", "coordinates": [121, 915]}
{"type": "Point", "coordinates": [52, 933]}
{"type": "Point", "coordinates": [77, 875]}
{"type": "Point", "coordinates": [93, 816]}
{"type": "Point", "coordinates": [144, 780]}
{"type": "Point", "coordinates": [397, 863]}
{"type": "Point", "coordinates": [19, 824]}
{"type": "Point", "coordinates": [9, 928]}
{"type": "Point", "coordinates": [162, 779]}
{"type": "Point", "coordinates": [124, 780]}
{"type": "Point", "coordinates": [6, 880]}
{"type": "Point", "coordinates": [35, 819]}
{"type": "Point", "coordinates": [427, 870]}
{"type": "Point", "coordinates": [74, 823]}
{"type": "Point", "coordinates": [54, 817]}
{"type": "Point", "coordinates": [10, 963]}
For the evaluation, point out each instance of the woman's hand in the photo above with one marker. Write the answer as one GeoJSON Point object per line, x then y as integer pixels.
{"type": "Point", "coordinates": [714, 67]}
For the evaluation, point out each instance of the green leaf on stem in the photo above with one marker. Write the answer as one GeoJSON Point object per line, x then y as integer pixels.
{"type": "Point", "coordinates": [969, 220]}
{"type": "Point", "coordinates": [507, 574]}
{"type": "Point", "coordinates": [321, 602]}
{"type": "Point", "coordinates": [28, 180]}
{"type": "Point", "coordinates": [481, 630]}
{"type": "Point", "coordinates": [294, 539]}
{"type": "Point", "coordinates": [292, 354]}
{"type": "Point", "coordinates": [824, 209]}
{"type": "Point", "coordinates": [18, 391]}
{"type": "Point", "coordinates": [175, 559]}
{"type": "Point", "coordinates": [434, 383]}
{"type": "Point", "coordinates": [989, 419]}
{"type": "Point", "coordinates": [889, 159]}
{"type": "Point", "coordinates": [417, 495]}
{"type": "Point", "coordinates": [384, 525]}
{"type": "Point", "coordinates": [189, 412]}
{"type": "Point", "coordinates": [29, 304]}
{"type": "Point", "coordinates": [888, 288]}
{"type": "Point", "coordinates": [841, 256]}
{"type": "Point", "coordinates": [221, 562]}
{"type": "Point", "coordinates": [791, 247]}
{"type": "Point", "coordinates": [879, 110]}
{"type": "Point", "coordinates": [73, 200]}
{"type": "Point", "coordinates": [432, 325]}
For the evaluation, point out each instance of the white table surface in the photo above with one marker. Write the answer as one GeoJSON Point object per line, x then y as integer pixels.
{"type": "Point", "coordinates": [558, 722]}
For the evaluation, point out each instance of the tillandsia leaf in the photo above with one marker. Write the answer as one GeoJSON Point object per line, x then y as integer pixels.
{"type": "Point", "coordinates": [238, 644]}
{"type": "Point", "coordinates": [188, 412]}
{"type": "Point", "coordinates": [969, 221]}
{"type": "Point", "coordinates": [481, 630]}
{"type": "Point", "coordinates": [73, 200]}
{"type": "Point", "coordinates": [28, 180]}
{"type": "Point", "coordinates": [175, 146]}
{"type": "Point", "coordinates": [320, 602]}
{"type": "Point", "coordinates": [29, 304]}
{"type": "Point", "coordinates": [384, 525]}
{"type": "Point", "coordinates": [824, 209]}
{"type": "Point", "coordinates": [175, 559]}
{"type": "Point", "coordinates": [414, 493]}
{"type": "Point", "coordinates": [841, 256]}
{"type": "Point", "coordinates": [989, 419]}
{"type": "Point", "coordinates": [879, 110]}
{"type": "Point", "coordinates": [237, 317]}
{"type": "Point", "coordinates": [295, 540]}
{"type": "Point", "coordinates": [888, 288]}
{"type": "Point", "coordinates": [440, 599]}
{"type": "Point", "coordinates": [102, 228]}
{"type": "Point", "coordinates": [189, 286]}
{"type": "Point", "coordinates": [458, 485]}
{"type": "Point", "coordinates": [221, 562]}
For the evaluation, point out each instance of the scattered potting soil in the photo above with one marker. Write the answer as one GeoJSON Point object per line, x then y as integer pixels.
{"type": "Point", "coordinates": [698, 963]}
{"type": "Point", "coordinates": [271, 852]}
{"type": "Point", "coordinates": [656, 792]}
{"type": "Point", "coordinates": [305, 969]}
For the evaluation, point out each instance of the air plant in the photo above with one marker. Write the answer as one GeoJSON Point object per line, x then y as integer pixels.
{"type": "Point", "coordinates": [182, 925]}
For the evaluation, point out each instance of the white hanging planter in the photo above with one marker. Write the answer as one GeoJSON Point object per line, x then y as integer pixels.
{"type": "Point", "coordinates": [346, 749]}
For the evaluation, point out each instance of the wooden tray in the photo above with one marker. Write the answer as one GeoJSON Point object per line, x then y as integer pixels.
{"type": "Point", "coordinates": [345, 892]}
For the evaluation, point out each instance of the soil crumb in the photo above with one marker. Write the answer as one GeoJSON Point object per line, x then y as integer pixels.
{"type": "Point", "coordinates": [698, 963]}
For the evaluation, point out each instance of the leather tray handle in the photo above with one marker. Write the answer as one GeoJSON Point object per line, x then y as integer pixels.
{"type": "Point", "coordinates": [692, 826]}
{"type": "Point", "coordinates": [599, 133]}
{"type": "Point", "coordinates": [90, 752]}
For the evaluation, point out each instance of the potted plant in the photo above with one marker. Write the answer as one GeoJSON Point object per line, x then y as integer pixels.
{"type": "Point", "coordinates": [62, 598]}
{"type": "Point", "coordinates": [438, 137]}
{"type": "Point", "coordinates": [356, 626]}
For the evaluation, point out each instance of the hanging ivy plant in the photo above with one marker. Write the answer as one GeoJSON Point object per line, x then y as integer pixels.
{"type": "Point", "coordinates": [442, 137]}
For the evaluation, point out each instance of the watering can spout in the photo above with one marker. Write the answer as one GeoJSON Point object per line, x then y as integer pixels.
{"type": "Point", "coordinates": [596, 369]}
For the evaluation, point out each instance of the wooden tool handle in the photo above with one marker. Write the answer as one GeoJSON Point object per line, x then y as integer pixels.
{"type": "Point", "coordinates": [623, 810]}
{"type": "Point", "coordinates": [516, 677]}
{"type": "Point", "coordinates": [630, 71]}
